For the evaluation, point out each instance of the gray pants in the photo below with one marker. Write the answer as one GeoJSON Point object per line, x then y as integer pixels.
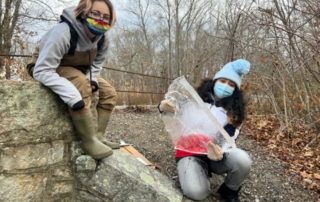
{"type": "Point", "coordinates": [193, 173]}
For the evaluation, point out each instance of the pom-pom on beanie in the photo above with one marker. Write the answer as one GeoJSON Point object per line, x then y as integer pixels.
{"type": "Point", "coordinates": [234, 71]}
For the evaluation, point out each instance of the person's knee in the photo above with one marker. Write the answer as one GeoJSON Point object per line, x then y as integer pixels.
{"type": "Point", "coordinates": [112, 93]}
{"type": "Point", "coordinates": [241, 160]}
{"type": "Point", "coordinates": [107, 95]}
{"type": "Point", "coordinates": [84, 87]}
{"type": "Point", "coordinates": [193, 178]}
{"type": "Point", "coordinates": [196, 192]}
{"type": "Point", "coordinates": [86, 92]}
{"type": "Point", "coordinates": [244, 162]}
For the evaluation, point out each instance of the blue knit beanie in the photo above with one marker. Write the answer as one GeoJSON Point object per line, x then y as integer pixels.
{"type": "Point", "coordinates": [234, 71]}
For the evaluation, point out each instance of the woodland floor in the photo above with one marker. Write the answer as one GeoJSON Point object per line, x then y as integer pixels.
{"type": "Point", "coordinates": [270, 179]}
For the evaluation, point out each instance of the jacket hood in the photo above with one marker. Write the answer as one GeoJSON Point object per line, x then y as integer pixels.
{"type": "Point", "coordinates": [68, 14]}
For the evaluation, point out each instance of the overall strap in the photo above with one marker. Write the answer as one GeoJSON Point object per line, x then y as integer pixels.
{"type": "Point", "coordinates": [73, 34]}
{"type": "Point", "coordinates": [100, 43]}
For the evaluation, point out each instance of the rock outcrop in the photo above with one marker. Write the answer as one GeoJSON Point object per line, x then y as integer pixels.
{"type": "Point", "coordinates": [40, 157]}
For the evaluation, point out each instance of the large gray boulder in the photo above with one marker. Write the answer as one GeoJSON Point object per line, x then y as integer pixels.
{"type": "Point", "coordinates": [123, 178]}
{"type": "Point", "coordinates": [31, 113]}
{"type": "Point", "coordinates": [40, 157]}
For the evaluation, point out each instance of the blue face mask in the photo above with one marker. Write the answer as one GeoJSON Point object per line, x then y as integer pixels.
{"type": "Point", "coordinates": [222, 90]}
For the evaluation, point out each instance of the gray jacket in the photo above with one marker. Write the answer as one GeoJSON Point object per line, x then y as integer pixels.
{"type": "Point", "coordinates": [54, 45]}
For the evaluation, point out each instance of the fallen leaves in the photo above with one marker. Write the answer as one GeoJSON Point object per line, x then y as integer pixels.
{"type": "Point", "coordinates": [291, 146]}
{"type": "Point", "coordinates": [316, 176]}
{"type": "Point", "coordinates": [309, 154]}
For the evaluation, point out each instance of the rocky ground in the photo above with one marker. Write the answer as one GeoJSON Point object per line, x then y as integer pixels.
{"type": "Point", "coordinates": [267, 181]}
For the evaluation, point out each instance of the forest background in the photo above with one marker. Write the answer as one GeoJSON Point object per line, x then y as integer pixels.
{"type": "Point", "coordinates": [194, 38]}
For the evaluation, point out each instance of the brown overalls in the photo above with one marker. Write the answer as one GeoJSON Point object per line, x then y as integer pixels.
{"type": "Point", "coordinates": [74, 68]}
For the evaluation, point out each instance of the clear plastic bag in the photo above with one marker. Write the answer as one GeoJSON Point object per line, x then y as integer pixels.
{"type": "Point", "coordinates": [191, 127]}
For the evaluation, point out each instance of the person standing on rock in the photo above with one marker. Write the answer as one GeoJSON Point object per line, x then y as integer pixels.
{"type": "Point", "coordinates": [69, 62]}
{"type": "Point", "coordinates": [224, 98]}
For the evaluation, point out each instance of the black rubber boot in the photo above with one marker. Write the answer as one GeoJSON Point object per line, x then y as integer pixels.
{"type": "Point", "coordinates": [228, 194]}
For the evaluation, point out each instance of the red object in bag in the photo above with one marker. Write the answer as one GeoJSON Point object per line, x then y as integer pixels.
{"type": "Point", "coordinates": [193, 144]}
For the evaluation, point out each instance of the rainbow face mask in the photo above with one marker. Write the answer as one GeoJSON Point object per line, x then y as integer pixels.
{"type": "Point", "coordinates": [97, 26]}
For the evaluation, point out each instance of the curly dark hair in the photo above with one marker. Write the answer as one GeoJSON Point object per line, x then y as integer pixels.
{"type": "Point", "coordinates": [234, 104]}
